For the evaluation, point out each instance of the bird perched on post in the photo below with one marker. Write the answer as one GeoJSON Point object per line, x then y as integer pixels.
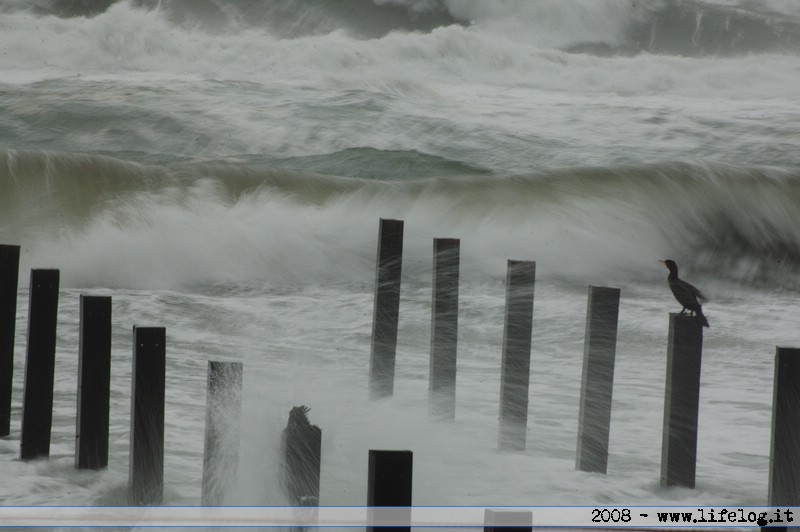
{"type": "Point", "coordinates": [686, 294]}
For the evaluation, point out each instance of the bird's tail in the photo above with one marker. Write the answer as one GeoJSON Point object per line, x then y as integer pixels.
{"type": "Point", "coordinates": [702, 318]}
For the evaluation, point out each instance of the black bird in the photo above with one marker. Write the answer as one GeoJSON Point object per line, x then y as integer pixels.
{"type": "Point", "coordinates": [686, 294]}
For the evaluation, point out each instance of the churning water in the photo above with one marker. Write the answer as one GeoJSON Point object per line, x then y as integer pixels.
{"type": "Point", "coordinates": [219, 168]}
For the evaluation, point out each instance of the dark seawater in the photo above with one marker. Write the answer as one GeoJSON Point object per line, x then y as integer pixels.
{"type": "Point", "coordinates": [220, 167]}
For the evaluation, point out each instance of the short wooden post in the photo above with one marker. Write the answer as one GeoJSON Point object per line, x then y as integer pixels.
{"type": "Point", "coordinates": [146, 455]}
{"type": "Point", "coordinates": [94, 383]}
{"type": "Point", "coordinates": [223, 415]}
{"type": "Point", "coordinates": [507, 521]}
{"type": "Point", "coordinates": [681, 401]}
{"type": "Point", "coordinates": [389, 484]}
{"type": "Point", "coordinates": [516, 362]}
{"type": "Point", "coordinates": [784, 463]}
{"type": "Point", "coordinates": [302, 458]}
{"type": "Point", "coordinates": [444, 328]}
{"type": "Point", "coordinates": [37, 402]}
{"type": "Point", "coordinates": [387, 308]}
{"type": "Point", "coordinates": [9, 281]}
{"type": "Point", "coordinates": [599, 351]}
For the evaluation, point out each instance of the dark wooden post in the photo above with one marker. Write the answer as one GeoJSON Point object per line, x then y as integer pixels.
{"type": "Point", "coordinates": [302, 458]}
{"type": "Point", "coordinates": [507, 521]}
{"type": "Point", "coordinates": [444, 328]}
{"type": "Point", "coordinates": [784, 463]}
{"type": "Point", "coordinates": [223, 415]}
{"type": "Point", "coordinates": [599, 350]}
{"type": "Point", "coordinates": [387, 308]}
{"type": "Point", "coordinates": [94, 382]}
{"type": "Point", "coordinates": [9, 281]}
{"type": "Point", "coordinates": [146, 455]}
{"type": "Point", "coordinates": [389, 484]}
{"type": "Point", "coordinates": [516, 362]}
{"type": "Point", "coordinates": [681, 401]}
{"type": "Point", "coordinates": [37, 402]}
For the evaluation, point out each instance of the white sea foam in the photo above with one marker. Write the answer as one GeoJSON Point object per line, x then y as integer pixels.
{"type": "Point", "coordinates": [171, 157]}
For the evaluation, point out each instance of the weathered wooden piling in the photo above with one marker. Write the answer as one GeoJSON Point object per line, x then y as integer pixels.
{"type": "Point", "coordinates": [9, 281]}
{"type": "Point", "coordinates": [302, 458]}
{"type": "Point", "coordinates": [223, 417]}
{"type": "Point", "coordinates": [508, 521]}
{"type": "Point", "coordinates": [599, 351]}
{"type": "Point", "coordinates": [389, 485]}
{"type": "Point", "coordinates": [94, 382]}
{"type": "Point", "coordinates": [681, 401]}
{"type": "Point", "coordinates": [444, 328]}
{"type": "Point", "coordinates": [146, 454]}
{"type": "Point", "coordinates": [386, 309]}
{"type": "Point", "coordinates": [37, 402]}
{"type": "Point", "coordinates": [516, 361]}
{"type": "Point", "coordinates": [784, 463]}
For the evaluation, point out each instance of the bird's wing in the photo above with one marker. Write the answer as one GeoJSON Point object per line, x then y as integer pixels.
{"type": "Point", "coordinates": [697, 293]}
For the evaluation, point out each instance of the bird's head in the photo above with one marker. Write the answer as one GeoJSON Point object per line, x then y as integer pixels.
{"type": "Point", "coordinates": [671, 266]}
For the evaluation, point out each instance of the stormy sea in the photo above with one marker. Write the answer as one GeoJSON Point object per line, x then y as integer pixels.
{"type": "Point", "coordinates": [219, 167]}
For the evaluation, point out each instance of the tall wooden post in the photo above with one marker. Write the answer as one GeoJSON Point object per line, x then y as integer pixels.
{"type": "Point", "coordinates": [516, 362]}
{"type": "Point", "coordinates": [444, 328]}
{"type": "Point", "coordinates": [681, 401]}
{"type": "Point", "coordinates": [387, 308]}
{"type": "Point", "coordinates": [784, 463]}
{"type": "Point", "coordinates": [146, 455]}
{"type": "Point", "coordinates": [37, 402]}
{"type": "Point", "coordinates": [599, 351]}
{"type": "Point", "coordinates": [223, 414]}
{"type": "Point", "coordinates": [389, 484]}
{"type": "Point", "coordinates": [94, 383]}
{"type": "Point", "coordinates": [9, 281]}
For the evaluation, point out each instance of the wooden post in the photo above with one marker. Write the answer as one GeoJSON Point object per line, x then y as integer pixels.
{"type": "Point", "coordinates": [9, 281]}
{"type": "Point", "coordinates": [223, 414]}
{"type": "Point", "coordinates": [507, 521]}
{"type": "Point", "coordinates": [387, 308]}
{"type": "Point", "coordinates": [37, 402]}
{"type": "Point", "coordinates": [599, 350]}
{"type": "Point", "coordinates": [389, 484]}
{"type": "Point", "coordinates": [302, 458]}
{"type": "Point", "coordinates": [784, 463]}
{"type": "Point", "coordinates": [146, 455]}
{"type": "Point", "coordinates": [681, 401]}
{"type": "Point", "coordinates": [516, 362]}
{"type": "Point", "coordinates": [94, 382]}
{"type": "Point", "coordinates": [444, 328]}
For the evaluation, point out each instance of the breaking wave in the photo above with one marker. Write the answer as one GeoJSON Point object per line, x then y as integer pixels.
{"type": "Point", "coordinates": [121, 223]}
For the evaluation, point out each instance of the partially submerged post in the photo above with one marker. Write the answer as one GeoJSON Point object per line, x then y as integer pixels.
{"type": "Point", "coordinates": [784, 463]}
{"type": "Point", "coordinates": [146, 455]}
{"type": "Point", "coordinates": [223, 414]}
{"type": "Point", "coordinates": [94, 383]}
{"type": "Point", "coordinates": [681, 401]}
{"type": "Point", "coordinates": [9, 280]}
{"type": "Point", "coordinates": [389, 485]}
{"type": "Point", "coordinates": [302, 453]}
{"type": "Point", "coordinates": [507, 520]}
{"type": "Point", "coordinates": [599, 351]}
{"type": "Point", "coordinates": [387, 308]}
{"type": "Point", "coordinates": [444, 328]}
{"type": "Point", "coordinates": [37, 402]}
{"type": "Point", "coordinates": [516, 362]}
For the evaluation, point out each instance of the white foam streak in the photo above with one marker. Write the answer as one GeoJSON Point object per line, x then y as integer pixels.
{"type": "Point", "coordinates": [129, 43]}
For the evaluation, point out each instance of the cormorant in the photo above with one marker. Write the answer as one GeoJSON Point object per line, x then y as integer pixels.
{"type": "Point", "coordinates": [686, 294]}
